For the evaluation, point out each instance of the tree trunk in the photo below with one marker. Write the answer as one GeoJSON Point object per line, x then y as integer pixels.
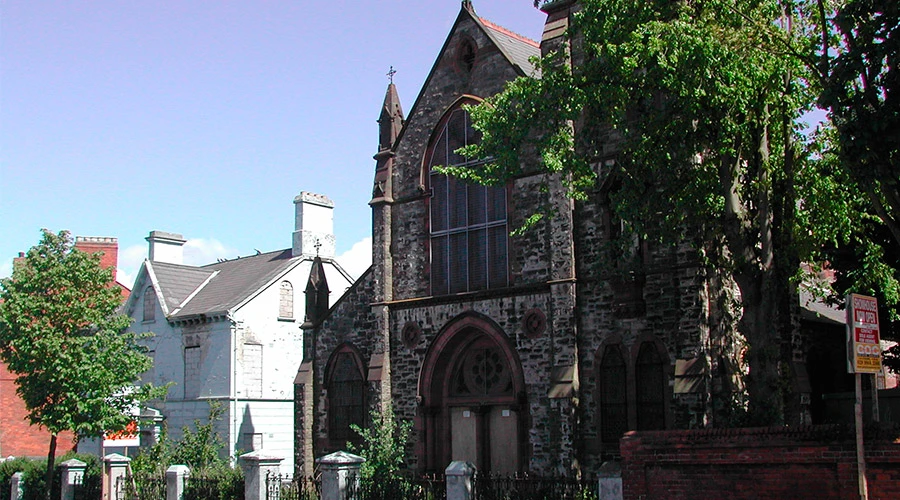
{"type": "Point", "coordinates": [51, 463]}
{"type": "Point", "coordinates": [758, 324]}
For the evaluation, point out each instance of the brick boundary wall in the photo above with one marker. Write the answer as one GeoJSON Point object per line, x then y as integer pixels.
{"type": "Point", "coordinates": [815, 462]}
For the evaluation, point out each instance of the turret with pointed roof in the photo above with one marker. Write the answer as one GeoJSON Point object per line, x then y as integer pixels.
{"type": "Point", "coordinates": [389, 124]}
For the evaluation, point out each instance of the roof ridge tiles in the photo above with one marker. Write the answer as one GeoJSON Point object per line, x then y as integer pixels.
{"type": "Point", "coordinates": [496, 27]}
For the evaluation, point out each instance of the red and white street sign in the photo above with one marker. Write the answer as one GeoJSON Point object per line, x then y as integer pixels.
{"type": "Point", "coordinates": [864, 338]}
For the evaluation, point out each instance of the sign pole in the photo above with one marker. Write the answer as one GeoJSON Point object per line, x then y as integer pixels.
{"type": "Point", "coordinates": [876, 415]}
{"type": "Point", "coordinates": [863, 356]}
{"type": "Point", "coordinates": [860, 450]}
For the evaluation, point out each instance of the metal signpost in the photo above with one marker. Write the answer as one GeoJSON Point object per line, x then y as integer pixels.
{"type": "Point", "coordinates": [863, 356]}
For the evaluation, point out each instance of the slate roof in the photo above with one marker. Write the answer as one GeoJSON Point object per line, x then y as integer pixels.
{"type": "Point", "coordinates": [178, 281]}
{"type": "Point", "coordinates": [517, 48]}
{"type": "Point", "coordinates": [236, 280]}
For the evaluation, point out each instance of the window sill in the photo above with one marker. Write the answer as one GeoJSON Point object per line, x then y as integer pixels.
{"type": "Point", "coordinates": [289, 320]}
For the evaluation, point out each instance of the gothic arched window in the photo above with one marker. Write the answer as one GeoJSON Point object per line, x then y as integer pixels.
{"type": "Point", "coordinates": [612, 384]}
{"type": "Point", "coordinates": [468, 221]}
{"type": "Point", "coordinates": [286, 300]}
{"type": "Point", "coordinates": [346, 396]}
{"type": "Point", "coordinates": [650, 380]}
{"type": "Point", "coordinates": [149, 304]}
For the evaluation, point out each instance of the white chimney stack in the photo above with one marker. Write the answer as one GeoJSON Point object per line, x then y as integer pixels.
{"type": "Point", "coordinates": [313, 226]}
{"type": "Point", "coordinates": [166, 247]}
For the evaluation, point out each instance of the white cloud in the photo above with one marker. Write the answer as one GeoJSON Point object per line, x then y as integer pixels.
{"type": "Point", "coordinates": [201, 251]}
{"type": "Point", "coordinates": [356, 260]}
{"type": "Point", "coordinates": [197, 252]}
{"type": "Point", "coordinates": [6, 268]}
{"type": "Point", "coordinates": [130, 260]}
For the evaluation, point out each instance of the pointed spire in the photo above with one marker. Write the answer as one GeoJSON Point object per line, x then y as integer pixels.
{"type": "Point", "coordinates": [389, 124]}
{"type": "Point", "coordinates": [391, 119]}
{"type": "Point", "coordinates": [316, 294]}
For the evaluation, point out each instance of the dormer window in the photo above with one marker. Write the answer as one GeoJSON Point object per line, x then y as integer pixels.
{"type": "Point", "coordinates": [286, 300]}
{"type": "Point", "coordinates": [149, 304]}
{"type": "Point", "coordinates": [468, 221]}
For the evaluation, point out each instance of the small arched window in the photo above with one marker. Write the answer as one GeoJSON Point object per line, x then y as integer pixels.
{"type": "Point", "coordinates": [286, 300]}
{"type": "Point", "coordinates": [149, 304]}
{"type": "Point", "coordinates": [650, 380]}
{"type": "Point", "coordinates": [612, 384]}
{"type": "Point", "coordinates": [467, 221]}
{"type": "Point", "coordinates": [346, 396]}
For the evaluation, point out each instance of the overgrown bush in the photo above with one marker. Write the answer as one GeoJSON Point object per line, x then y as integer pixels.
{"type": "Point", "coordinates": [200, 448]}
{"type": "Point", "coordinates": [33, 471]}
{"type": "Point", "coordinates": [384, 448]}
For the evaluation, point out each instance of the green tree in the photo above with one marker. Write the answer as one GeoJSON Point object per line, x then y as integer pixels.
{"type": "Point", "coordinates": [60, 334]}
{"type": "Point", "coordinates": [703, 102]}
{"type": "Point", "coordinates": [859, 71]}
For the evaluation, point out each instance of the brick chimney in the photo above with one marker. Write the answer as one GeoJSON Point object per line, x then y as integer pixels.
{"type": "Point", "coordinates": [166, 247]}
{"type": "Point", "coordinates": [109, 247]}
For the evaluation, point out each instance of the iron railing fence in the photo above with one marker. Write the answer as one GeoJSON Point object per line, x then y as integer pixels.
{"type": "Point", "coordinates": [528, 487]}
{"type": "Point", "coordinates": [287, 487]}
{"type": "Point", "coordinates": [427, 487]}
{"type": "Point", "coordinates": [87, 487]}
{"type": "Point", "coordinates": [141, 487]}
{"type": "Point", "coordinates": [214, 487]}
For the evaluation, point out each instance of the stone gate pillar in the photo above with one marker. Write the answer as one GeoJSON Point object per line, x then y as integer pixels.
{"type": "Point", "coordinates": [459, 480]}
{"type": "Point", "coordinates": [115, 467]}
{"type": "Point", "coordinates": [340, 474]}
{"type": "Point", "coordinates": [72, 474]}
{"type": "Point", "coordinates": [175, 478]}
{"type": "Point", "coordinates": [257, 466]}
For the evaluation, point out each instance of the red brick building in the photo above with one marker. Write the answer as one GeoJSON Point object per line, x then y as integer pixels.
{"type": "Point", "coordinates": [17, 436]}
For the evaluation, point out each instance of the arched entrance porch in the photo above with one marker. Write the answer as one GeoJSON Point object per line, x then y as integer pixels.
{"type": "Point", "coordinates": [473, 399]}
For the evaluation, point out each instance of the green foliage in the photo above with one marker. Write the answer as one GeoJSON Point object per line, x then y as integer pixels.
{"type": "Point", "coordinates": [384, 448]}
{"type": "Point", "coordinates": [33, 475]}
{"type": "Point", "coordinates": [861, 90]}
{"type": "Point", "coordinates": [60, 334]}
{"type": "Point", "coordinates": [689, 114]}
{"type": "Point", "coordinates": [200, 449]}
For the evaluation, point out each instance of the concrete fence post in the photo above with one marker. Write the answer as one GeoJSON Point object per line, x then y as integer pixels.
{"type": "Point", "coordinates": [257, 466]}
{"type": "Point", "coordinates": [340, 475]}
{"type": "Point", "coordinates": [72, 474]}
{"type": "Point", "coordinates": [115, 469]}
{"type": "Point", "coordinates": [611, 481]}
{"type": "Point", "coordinates": [175, 478]}
{"type": "Point", "coordinates": [460, 477]}
{"type": "Point", "coordinates": [16, 490]}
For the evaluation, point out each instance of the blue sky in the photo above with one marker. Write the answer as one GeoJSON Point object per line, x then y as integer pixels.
{"type": "Point", "coordinates": [204, 118]}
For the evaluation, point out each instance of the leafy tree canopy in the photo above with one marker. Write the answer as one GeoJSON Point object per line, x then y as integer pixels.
{"type": "Point", "coordinates": [690, 114]}
{"type": "Point", "coordinates": [60, 334]}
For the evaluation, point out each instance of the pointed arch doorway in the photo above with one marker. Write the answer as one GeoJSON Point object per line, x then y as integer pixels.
{"type": "Point", "coordinates": [473, 393]}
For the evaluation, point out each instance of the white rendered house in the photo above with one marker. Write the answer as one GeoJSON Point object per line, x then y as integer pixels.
{"type": "Point", "coordinates": [231, 331]}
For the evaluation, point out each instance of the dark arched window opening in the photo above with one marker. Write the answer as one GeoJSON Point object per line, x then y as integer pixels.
{"type": "Point", "coordinates": [346, 397]}
{"type": "Point", "coordinates": [612, 384]}
{"type": "Point", "coordinates": [468, 221]}
{"type": "Point", "coordinates": [650, 388]}
{"type": "Point", "coordinates": [149, 304]}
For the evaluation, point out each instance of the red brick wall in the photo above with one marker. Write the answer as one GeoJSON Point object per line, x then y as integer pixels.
{"type": "Point", "coordinates": [814, 462]}
{"type": "Point", "coordinates": [18, 437]}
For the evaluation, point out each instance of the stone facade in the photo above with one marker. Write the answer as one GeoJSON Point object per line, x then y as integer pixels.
{"type": "Point", "coordinates": [541, 338]}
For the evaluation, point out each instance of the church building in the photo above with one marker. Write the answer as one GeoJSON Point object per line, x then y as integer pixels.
{"type": "Point", "coordinates": [516, 353]}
